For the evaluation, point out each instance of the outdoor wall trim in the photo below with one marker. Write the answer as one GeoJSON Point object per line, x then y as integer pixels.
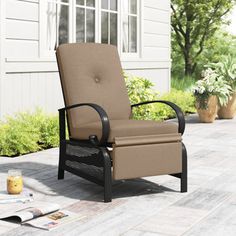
{"type": "Point", "coordinates": [28, 66]}
{"type": "Point", "coordinates": [52, 59]}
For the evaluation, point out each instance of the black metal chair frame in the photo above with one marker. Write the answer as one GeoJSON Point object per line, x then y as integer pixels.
{"type": "Point", "coordinates": [99, 158]}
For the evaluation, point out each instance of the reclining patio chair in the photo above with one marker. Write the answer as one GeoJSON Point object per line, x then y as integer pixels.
{"type": "Point", "coordinates": [105, 144]}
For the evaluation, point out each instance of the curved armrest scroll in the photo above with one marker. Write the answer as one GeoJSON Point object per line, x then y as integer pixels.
{"type": "Point", "coordinates": [177, 109]}
{"type": "Point", "coordinates": [103, 117]}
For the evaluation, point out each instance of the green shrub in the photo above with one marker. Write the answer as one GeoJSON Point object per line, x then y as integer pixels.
{"type": "Point", "coordinates": [28, 132]}
{"type": "Point", "coordinates": [185, 100]}
{"type": "Point", "coordinates": [49, 132]}
{"type": "Point", "coordinates": [140, 90]}
{"type": "Point", "coordinates": [17, 136]}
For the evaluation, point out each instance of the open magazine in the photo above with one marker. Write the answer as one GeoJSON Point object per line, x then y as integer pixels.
{"type": "Point", "coordinates": [43, 216]}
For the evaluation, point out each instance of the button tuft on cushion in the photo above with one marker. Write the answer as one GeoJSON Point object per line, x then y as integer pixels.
{"type": "Point", "coordinates": [97, 80]}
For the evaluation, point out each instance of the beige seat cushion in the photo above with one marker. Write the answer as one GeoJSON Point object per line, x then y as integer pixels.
{"type": "Point", "coordinates": [125, 128]}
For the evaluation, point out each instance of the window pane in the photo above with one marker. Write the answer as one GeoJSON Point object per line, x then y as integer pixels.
{"type": "Point", "coordinates": [133, 34]}
{"type": "Point", "coordinates": [51, 25]}
{"type": "Point", "coordinates": [104, 4]}
{"type": "Point", "coordinates": [80, 2]}
{"type": "Point", "coordinates": [113, 28]}
{"type": "Point", "coordinates": [133, 6]}
{"type": "Point", "coordinates": [63, 24]}
{"type": "Point", "coordinates": [90, 3]}
{"type": "Point", "coordinates": [64, 1]}
{"type": "Point", "coordinates": [80, 25]}
{"type": "Point", "coordinates": [90, 25]}
{"type": "Point", "coordinates": [125, 34]}
{"type": "Point", "coordinates": [104, 27]}
{"type": "Point", "coordinates": [113, 5]}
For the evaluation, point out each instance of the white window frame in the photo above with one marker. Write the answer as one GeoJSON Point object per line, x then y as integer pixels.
{"type": "Point", "coordinates": [50, 54]}
{"type": "Point", "coordinates": [43, 51]}
{"type": "Point", "coordinates": [74, 6]}
{"type": "Point", "coordinates": [131, 55]}
{"type": "Point", "coordinates": [118, 21]}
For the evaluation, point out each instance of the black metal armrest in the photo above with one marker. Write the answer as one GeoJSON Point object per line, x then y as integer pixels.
{"type": "Point", "coordinates": [177, 109]}
{"type": "Point", "coordinates": [102, 114]}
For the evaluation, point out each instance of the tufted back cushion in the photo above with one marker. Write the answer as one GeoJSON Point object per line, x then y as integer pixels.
{"type": "Point", "coordinates": [92, 73]}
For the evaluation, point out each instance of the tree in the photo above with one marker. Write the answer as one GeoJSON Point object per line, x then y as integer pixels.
{"type": "Point", "coordinates": [193, 23]}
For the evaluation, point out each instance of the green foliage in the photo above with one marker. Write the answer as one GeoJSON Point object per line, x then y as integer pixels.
{"type": "Point", "coordinates": [140, 90]}
{"type": "Point", "coordinates": [182, 84]}
{"type": "Point", "coordinates": [17, 136]}
{"type": "Point", "coordinates": [177, 65]}
{"type": "Point", "coordinates": [49, 132]}
{"type": "Point", "coordinates": [226, 69]}
{"type": "Point", "coordinates": [185, 100]}
{"type": "Point", "coordinates": [28, 132]}
{"type": "Point", "coordinates": [221, 45]}
{"type": "Point", "coordinates": [194, 23]}
{"type": "Point", "coordinates": [211, 84]}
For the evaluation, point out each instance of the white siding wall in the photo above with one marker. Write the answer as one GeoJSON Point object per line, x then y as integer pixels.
{"type": "Point", "coordinates": [22, 29]}
{"type": "Point", "coordinates": [156, 45]}
{"type": "Point", "coordinates": [156, 76]}
{"type": "Point", "coordinates": [156, 29]}
{"type": "Point", "coordinates": [27, 91]}
{"type": "Point", "coordinates": [30, 81]}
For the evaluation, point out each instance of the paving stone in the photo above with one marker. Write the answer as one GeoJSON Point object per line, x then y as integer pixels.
{"type": "Point", "coordinates": [149, 206]}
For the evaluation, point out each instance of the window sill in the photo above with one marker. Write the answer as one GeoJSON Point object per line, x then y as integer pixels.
{"type": "Point", "coordinates": [53, 59]}
{"type": "Point", "coordinates": [33, 65]}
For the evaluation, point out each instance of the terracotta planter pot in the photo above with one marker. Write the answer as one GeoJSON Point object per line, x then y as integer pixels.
{"type": "Point", "coordinates": [228, 111]}
{"type": "Point", "coordinates": [208, 115]}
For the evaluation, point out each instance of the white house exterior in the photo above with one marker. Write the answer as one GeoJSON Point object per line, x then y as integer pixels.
{"type": "Point", "coordinates": [30, 29]}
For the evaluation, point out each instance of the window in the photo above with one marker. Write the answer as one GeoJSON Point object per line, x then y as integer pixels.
{"type": "Point", "coordinates": [57, 23]}
{"type": "Point", "coordinates": [85, 21]}
{"type": "Point", "coordinates": [92, 21]}
{"type": "Point", "coordinates": [130, 19]}
{"type": "Point", "coordinates": [109, 20]}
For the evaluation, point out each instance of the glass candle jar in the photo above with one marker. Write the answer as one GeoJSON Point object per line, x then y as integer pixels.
{"type": "Point", "coordinates": [14, 182]}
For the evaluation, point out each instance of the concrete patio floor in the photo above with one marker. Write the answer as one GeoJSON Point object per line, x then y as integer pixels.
{"type": "Point", "coordinates": [150, 206]}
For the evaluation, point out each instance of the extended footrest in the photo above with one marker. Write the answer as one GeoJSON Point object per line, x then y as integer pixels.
{"type": "Point", "coordinates": [141, 156]}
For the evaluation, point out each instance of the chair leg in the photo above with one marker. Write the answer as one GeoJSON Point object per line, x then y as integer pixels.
{"type": "Point", "coordinates": [61, 161]}
{"type": "Point", "coordinates": [107, 177]}
{"type": "Point", "coordinates": [184, 174]}
{"type": "Point", "coordinates": [60, 173]}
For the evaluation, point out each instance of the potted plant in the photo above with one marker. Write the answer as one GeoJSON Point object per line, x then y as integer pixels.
{"type": "Point", "coordinates": [227, 70]}
{"type": "Point", "coordinates": [208, 91]}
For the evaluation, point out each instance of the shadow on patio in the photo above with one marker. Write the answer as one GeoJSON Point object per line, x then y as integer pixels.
{"type": "Point", "coordinates": [42, 179]}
